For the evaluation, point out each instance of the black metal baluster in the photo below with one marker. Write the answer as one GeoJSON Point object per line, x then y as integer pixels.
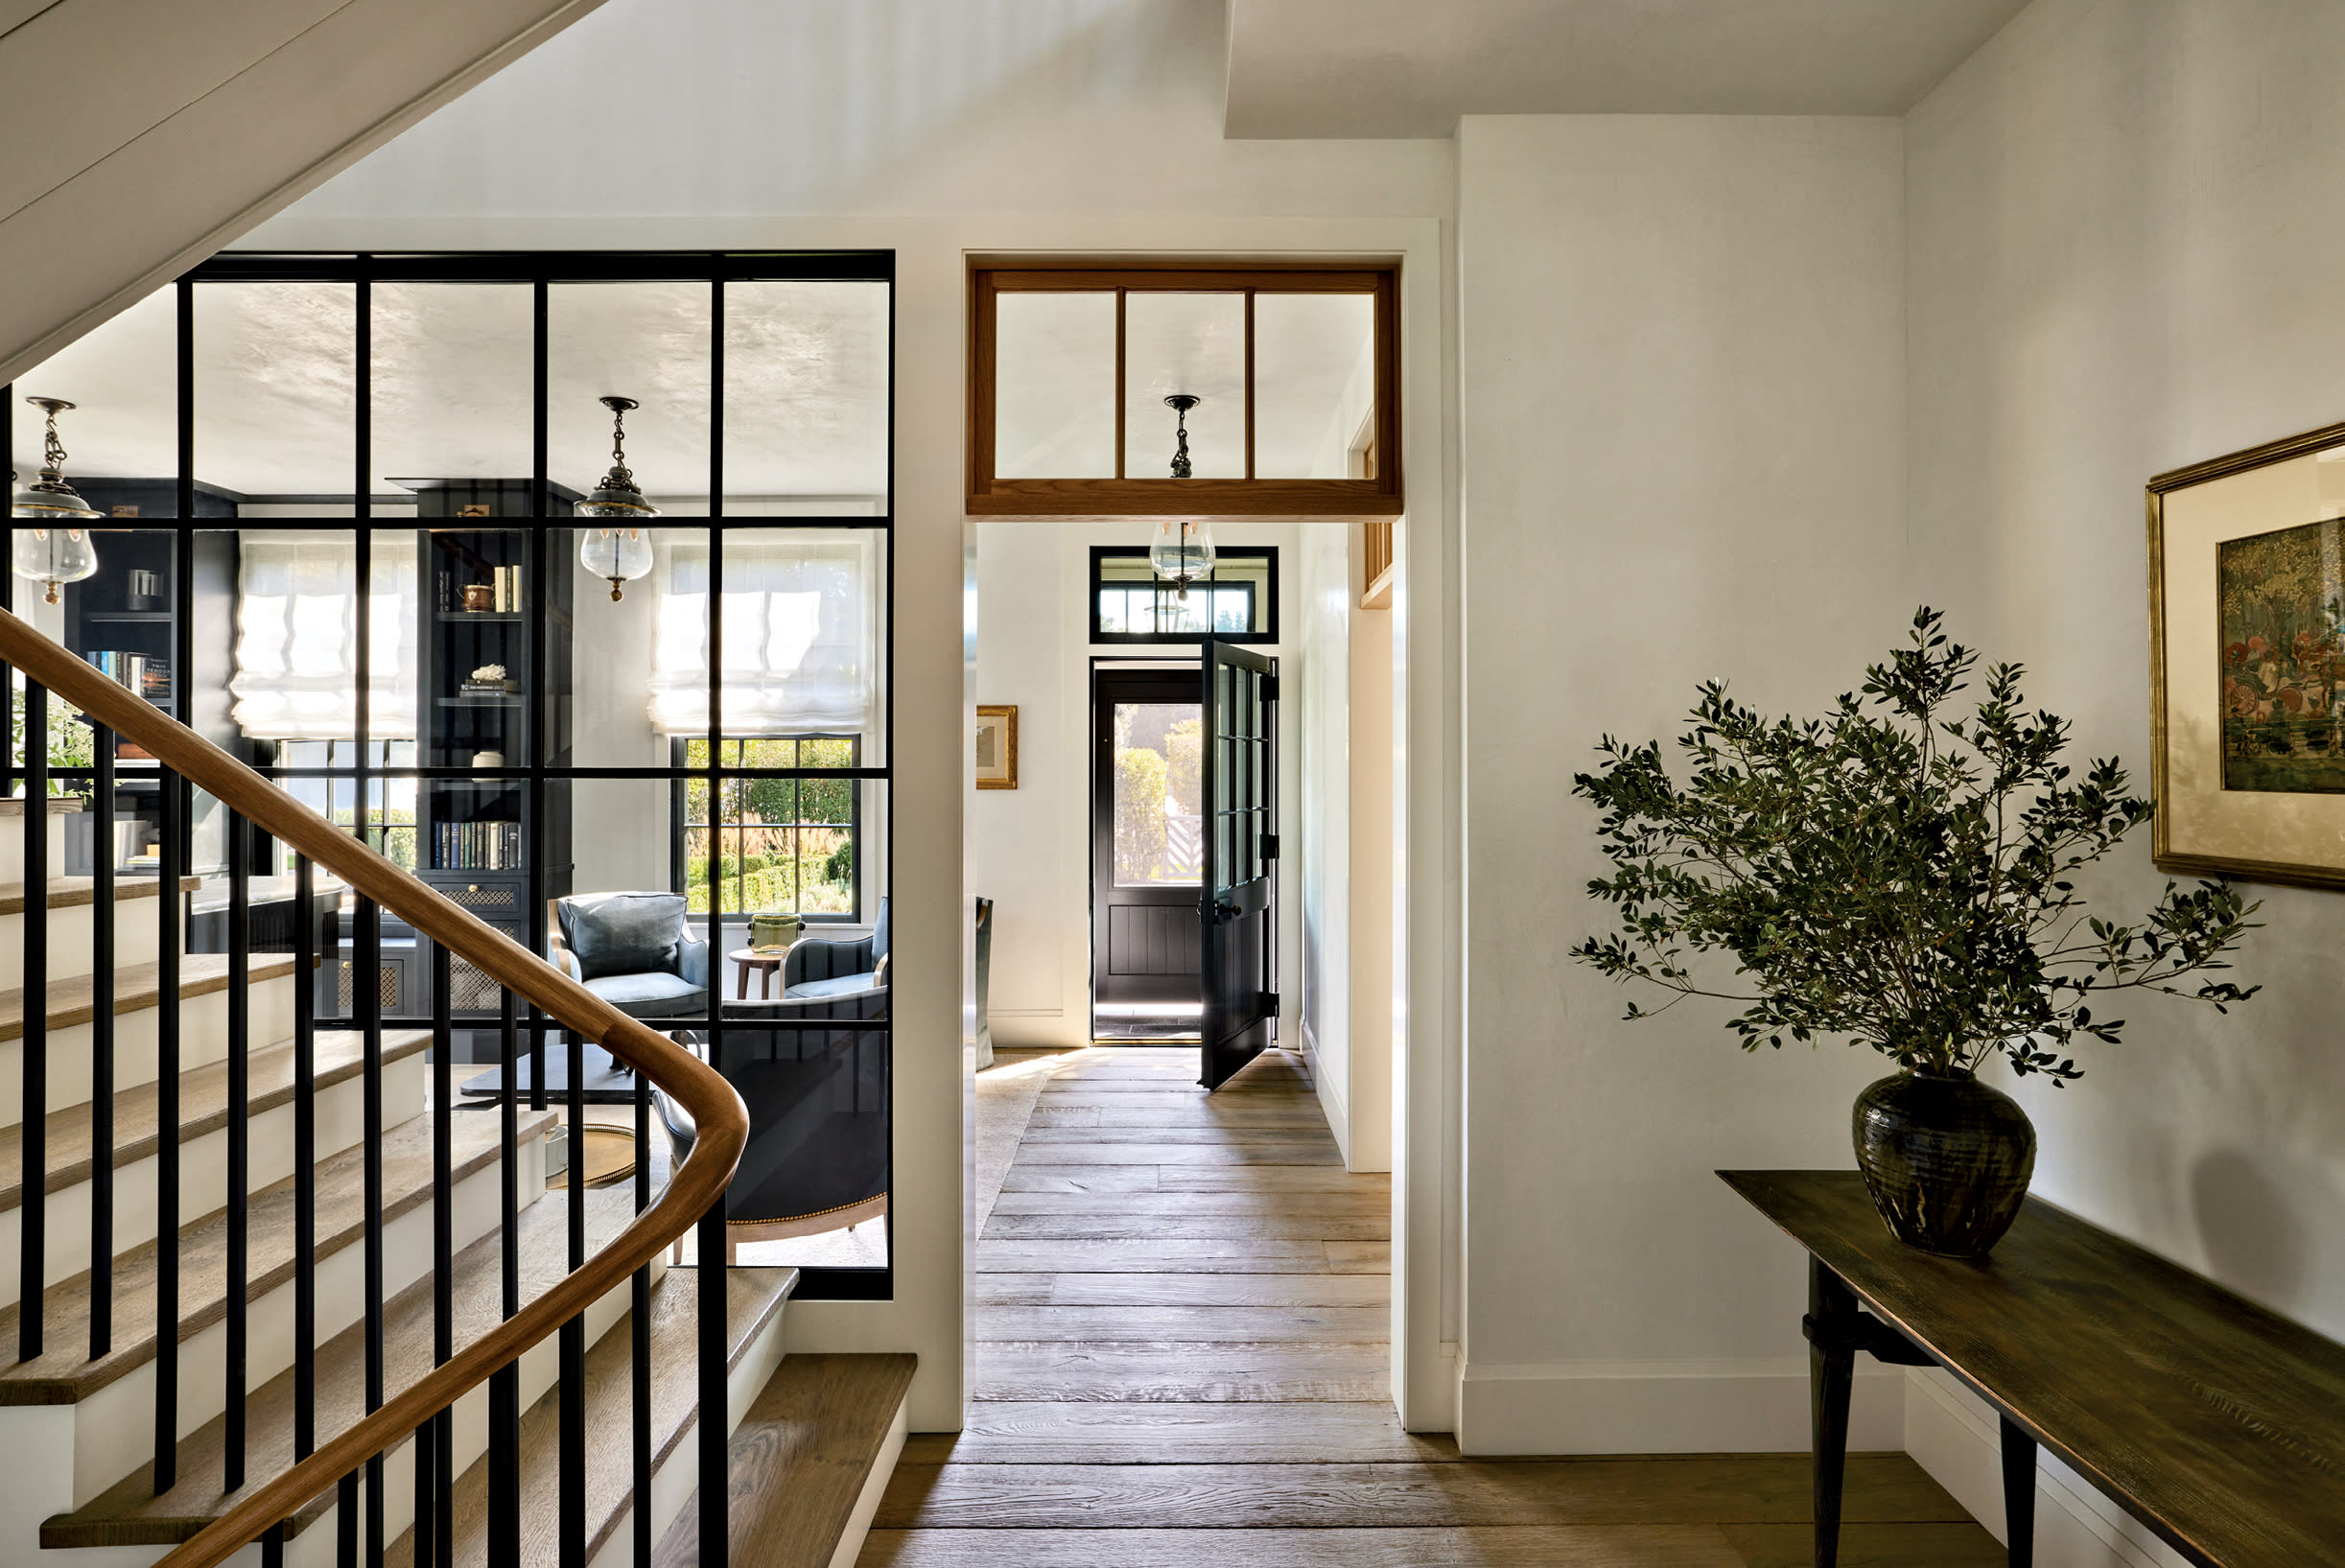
{"type": "Point", "coordinates": [102, 912]}
{"type": "Point", "coordinates": [424, 1530]}
{"type": "Point", "coordinates": [240, 1142]}
{"type": "Point", "coordinates": [305, 1159]}
{"type": "Point", "coordinates": [715, 1471]}
{"type": "Point", "coordinates": [639, 1340]}
{"type": "Point", "coordinates": [167, 1148]}
{"type": "Point", "coordinates": [573, 1332]}
{"type": "Point", "coordinates": [347, 1522]}
{"type": "Point", "coordinates": [33, 1246]}
{"type": "Point", "coordinates": [367, 992]}
{"type": "Point", "coordinates": [442, 1468]}
{"type": "Point", "coordinates": [504, 1385]}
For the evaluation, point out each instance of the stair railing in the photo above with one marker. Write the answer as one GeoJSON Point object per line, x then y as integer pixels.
{"type": "Point", "coordinates": [421, 1411]}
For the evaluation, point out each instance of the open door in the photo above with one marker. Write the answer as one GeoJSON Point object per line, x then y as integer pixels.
{"type": "Point", "coordinates": [1239, 796]}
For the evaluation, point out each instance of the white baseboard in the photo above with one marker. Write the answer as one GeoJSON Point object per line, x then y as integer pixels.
{"type": "Point", "coordinates": [1955, 1437]}
{"type": "Point", "coordinates": [1661, 1407]}
{"type": "Point", "coordinates": [1330, 1095]}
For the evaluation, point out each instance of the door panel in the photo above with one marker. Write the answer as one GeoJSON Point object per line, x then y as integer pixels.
{"type": "Point", "coordinates": [1146, 848]}
{"type": "Point", "coordinates": [1234, 913]}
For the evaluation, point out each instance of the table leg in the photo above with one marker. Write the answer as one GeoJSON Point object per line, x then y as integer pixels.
{"type": "Point", "coordinates": [740, 986]}
{"type": "Point", "coordinates": [1831, 1369]}
{"type": "Point", "coordinates": [766, 981]}
{"type": "Point", "coordinates": [2019, 1493]}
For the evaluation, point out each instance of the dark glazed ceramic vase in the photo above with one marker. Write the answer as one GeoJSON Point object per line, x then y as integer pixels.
{"type": "Point", "coordinates": [1946, 1158]}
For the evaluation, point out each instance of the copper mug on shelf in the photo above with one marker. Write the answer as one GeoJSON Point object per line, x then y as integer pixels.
{"type": "Point", "coordinates": [479, 595]}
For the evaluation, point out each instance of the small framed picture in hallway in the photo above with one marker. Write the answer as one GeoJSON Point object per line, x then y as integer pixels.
{"type": "Point", "coordinates": [998, 747]}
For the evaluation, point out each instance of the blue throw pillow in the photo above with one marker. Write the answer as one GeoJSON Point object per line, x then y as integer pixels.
{"type": "Point", "coordinates": [625, 933]}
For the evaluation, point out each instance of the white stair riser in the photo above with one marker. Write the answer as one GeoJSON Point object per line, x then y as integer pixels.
{"type": "Point", "coordinates": [58, 1458]}
{"type": "Point", "coordinates": [12, 846]}
{"type": "Point", "coordinates": [204, 1037]}
{"type": "Point", "coordinates": [203, 1173]}
{"type": "Point", "coordinates": [468, 1434]}
{"type": "Point", "coordinates": [673, 1483]}
{"type": "Point", "coordinates": [137, 934]}
{"type": "Point", "coordinates": [114, 1430]}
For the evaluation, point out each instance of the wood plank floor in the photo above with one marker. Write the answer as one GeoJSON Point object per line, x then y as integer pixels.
{"type": "Point", "coordinates": [1183, 1361]}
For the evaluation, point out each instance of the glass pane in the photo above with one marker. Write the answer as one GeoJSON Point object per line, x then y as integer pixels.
{"type": "Point", "coordinates": [1314, 385]}
{"type": "Point", "coordinates": [1236, 604]}
{"type": "Point", "coordinates": [638, 671]}
{"type": "Point", "coordinates": [806, 399]}
{"type": "Point", "coordinates": [1054, 387]}
{"type": "Point", "coordinates": [479, 666]}
{"type": "Point", "coordinates": [122, 435]}
{"type": "Point", "coordinates": [295, 626]}
{"type": "Point", "coordinates": [1156, 795]}
{"type": "Point", "coordinates": [277, 394]}
{"type": "Point", "coordinates": [644, 340]}
{"type": "Point", "coordinates": [1193, 344]}
{"type": "Point", "coordinates": [452, 390]}
{"type": "Point", "coordinates": [803, 633]}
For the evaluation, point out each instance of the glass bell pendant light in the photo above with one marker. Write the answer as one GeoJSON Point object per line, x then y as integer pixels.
{"type": "Point", "coordinates": [620, 555]}
{"type": "Point", "coordinates": [52, 555]}
{"type": "Point", "coordinates": [1182, 552]}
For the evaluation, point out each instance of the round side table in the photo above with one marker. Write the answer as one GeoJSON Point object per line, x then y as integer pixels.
{"type": "Point", "coordinates": [766, 964]}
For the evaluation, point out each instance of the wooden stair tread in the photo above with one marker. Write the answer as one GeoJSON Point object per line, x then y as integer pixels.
{"type": "Point", "coordinates": [203, 1106]}
{"type": "Point", "coordinates": [129, 1514]}
{"type": "Point", "coordinates": [800, 1462]}
{"type": "Point", "coordinates": [136, 988]}
{"type": "Point", "coordinates": [63, 1374]}
{"type": "Point", "coordinates": [70, 892]}
{"type": "Point", "coordinates": [60, 806]}
{"type": "Point", "coordinates": [752, 1296]}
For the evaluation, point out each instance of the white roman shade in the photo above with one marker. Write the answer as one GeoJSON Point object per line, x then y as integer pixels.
{"type": "Point", "coordinates": [801, 635]}
{"type": "Point", "coordinates": [296, 635]}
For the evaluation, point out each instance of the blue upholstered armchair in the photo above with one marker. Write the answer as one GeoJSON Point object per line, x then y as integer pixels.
{"type": "Point", "coordinates": [819, 968]}
{"type": "Point", "coordinates": [634, 950]}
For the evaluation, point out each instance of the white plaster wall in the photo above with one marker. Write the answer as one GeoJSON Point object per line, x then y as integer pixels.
{"type": "Point", "coordinates": [1320, 690]}
{"type": "Point", "coordinates": [1682, 378]}
{"type": "Point", "coordinates": [1033, 843]}
{"type": "Point", "coordinates": [2121, 214]}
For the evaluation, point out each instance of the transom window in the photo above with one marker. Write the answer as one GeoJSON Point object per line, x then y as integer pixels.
{"type": "Point", "coordinates": [1238, 603]}
{"type": "Point", "coordinates": [1185, 391]}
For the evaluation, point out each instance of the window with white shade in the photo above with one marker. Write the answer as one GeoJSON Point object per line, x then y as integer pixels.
{"type": "Point", "coordinates": [297, 634]}
{"type": "Point", "coordinates": [800, 629]}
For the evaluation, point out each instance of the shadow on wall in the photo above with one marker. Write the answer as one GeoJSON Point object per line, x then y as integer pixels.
{"type": "Point", "coordinates": [2248, 1226]}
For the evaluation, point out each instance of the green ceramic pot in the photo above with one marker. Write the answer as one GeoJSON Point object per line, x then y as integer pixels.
{"type": "Point", "coordinates": [772, 933]}
{"type": "Point", "coordinates": [1946, 1157]}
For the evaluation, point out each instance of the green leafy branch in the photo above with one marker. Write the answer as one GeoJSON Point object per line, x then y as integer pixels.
{"type": "Point", "coordinates": [1892, 873]}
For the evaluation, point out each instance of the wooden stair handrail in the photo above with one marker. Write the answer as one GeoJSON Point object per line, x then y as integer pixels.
{"type": "Point", "coordinates": [715, 1108]}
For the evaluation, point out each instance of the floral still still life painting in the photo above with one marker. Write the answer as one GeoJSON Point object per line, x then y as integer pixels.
{"type": "Point", "coordinates": [2284, 659]}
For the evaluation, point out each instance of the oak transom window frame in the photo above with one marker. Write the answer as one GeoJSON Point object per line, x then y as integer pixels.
{"type": "Point", "coordinates": [1379, 496]}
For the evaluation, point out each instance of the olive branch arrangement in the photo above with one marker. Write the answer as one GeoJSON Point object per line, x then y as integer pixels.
{"type": "Point", "coordinates": [1894, 874]}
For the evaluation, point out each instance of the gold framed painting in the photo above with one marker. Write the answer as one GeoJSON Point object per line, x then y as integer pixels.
{"type": "Point", "coordinates": [2248, 663]}
{"type": "Point", "coordinates": [998, 747]}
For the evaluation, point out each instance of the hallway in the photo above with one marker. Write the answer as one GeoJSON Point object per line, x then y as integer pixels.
{"type": "Point", "coordinates": [1181, 1363]}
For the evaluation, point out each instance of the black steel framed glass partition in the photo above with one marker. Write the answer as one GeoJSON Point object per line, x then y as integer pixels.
{"type": "Point", "coordinates": [342, 542]}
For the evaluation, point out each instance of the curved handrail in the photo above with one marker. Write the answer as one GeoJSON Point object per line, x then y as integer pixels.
{"type": "Point", "coordinates": [715, 1107]}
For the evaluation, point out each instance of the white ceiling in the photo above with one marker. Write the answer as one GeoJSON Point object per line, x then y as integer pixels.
{"type": "Point", "coordinates": [1333, 68]}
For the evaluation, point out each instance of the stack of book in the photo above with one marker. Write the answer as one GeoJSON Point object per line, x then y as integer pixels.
{"type": "Point", "coordinates": [503, 590]}
{"type": "Point", "coordinates": [477, 846]}
{"type": "Point", "coordinates": [144, 673]}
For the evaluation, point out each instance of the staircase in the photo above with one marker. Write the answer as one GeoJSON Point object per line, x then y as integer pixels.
{"type": "Point", "coordinates": [281, 1299]}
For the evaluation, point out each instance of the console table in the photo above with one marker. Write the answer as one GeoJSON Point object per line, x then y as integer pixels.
{"type": "Point", "coordinates": [2218, 1424]}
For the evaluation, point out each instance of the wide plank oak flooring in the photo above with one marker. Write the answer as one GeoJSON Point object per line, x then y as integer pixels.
{"type": "Point", "coordinates": [1182, 1360]}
